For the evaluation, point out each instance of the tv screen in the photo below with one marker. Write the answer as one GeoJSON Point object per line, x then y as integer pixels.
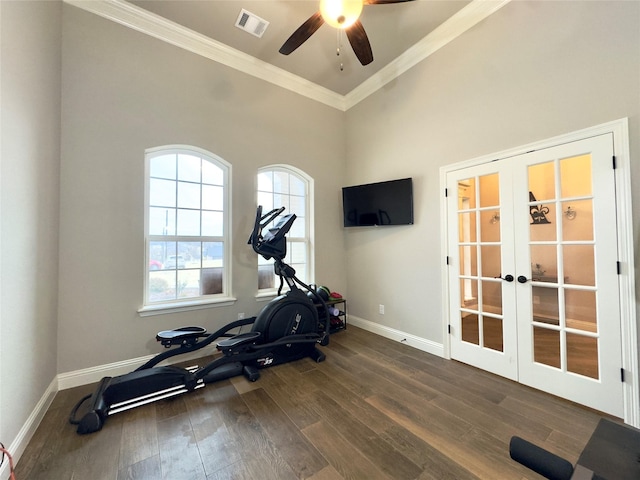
{"type": "Point", "coordinates": [382, 203]}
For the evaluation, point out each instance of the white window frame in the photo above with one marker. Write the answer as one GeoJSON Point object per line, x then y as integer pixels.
{"type": "Point", "coordinates": [308, 238]}
{"type": "Point", "coordinates": [205, 301]}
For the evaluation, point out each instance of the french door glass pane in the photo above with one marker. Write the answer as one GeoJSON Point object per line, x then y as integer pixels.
{"type": "Point", "coordinates": [492, 333]}
{"type": "Point", "coordinates": [470, 329]}
{"type": "Point", "coordinates": [546, 346]}
{"type": "Point", "coordinates": [579, 264]}
{"type": "Point", "coordinates": [582, 355]}
{"type": "Point", "coordinates": [577, 220]}
{"type": "Point", "coordinates": [575, 176]}
{"type": "Point", "coordinates": [542, 181]}
{"type": "Point", "coordinates": [480, 261]}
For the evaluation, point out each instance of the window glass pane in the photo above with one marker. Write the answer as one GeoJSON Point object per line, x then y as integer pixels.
{"type": "Point", "coordinates": [212, 174]}
{"type": "Point", "coordinates": [162, 286]}
{"type": "Point", "coordinates": [212, 254]}
{"type": "Point", "coordinates": [212, 198]}
{"type": "Point", "coordinates": [297, 186]}
{"type": "Point", "coordinates": [163, 166]}
{"type": "Point", "coordinates": [297, 206]}
{"type": "Point", "coordinates": [162, 193]}
{"type": "Point", "coordinates": [211, 280]}
{"type": "Point", "coordinates": [297, 252]}
{"type": "Point", "coordinates": [188, 195]}
{"type": "Point", "coordinates": [281, 182]}
{"type": "Point", "coordinates": [188, 222]}
{"type": "Point", "coordinates": [212, 224]}
{"type": "Point", "coordinates": [188, 283]}
{"type": "Point", "coordinates": [281, 201]}
{"type": "Point", "coordinates": [298, 229]}
{"type": "Point", "coordinates": [192, 269]}
{"type": "Point", "coordinates": [266, 200]}
{"type": "Point", "coordinates": [281, 188]}
{"type": "Point", "coordinates": [156, 255]}
{"type": "Point", "coordinates": [189, 168]}
{"type": "Point", "coordinates": [265, 181]}
{"type": "Point", "coordinates": [162, 221]}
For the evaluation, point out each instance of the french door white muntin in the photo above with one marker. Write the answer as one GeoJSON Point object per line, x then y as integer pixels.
{"type": "Point", "coordinates": [613, 341]}
{"type": "Point", "coordinates": [483, 324]}
{"type": "Point", "coordinates": [585, 321]}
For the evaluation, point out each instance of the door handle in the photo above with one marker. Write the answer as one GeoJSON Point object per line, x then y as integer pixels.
{"type": "Point", "coordinates": [523, 279]}
{"type": "Point", "coordinates": [508, 278]}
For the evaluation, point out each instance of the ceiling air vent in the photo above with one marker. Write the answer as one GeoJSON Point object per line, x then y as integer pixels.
{"type": "Point", "coordinates": [251, 23]}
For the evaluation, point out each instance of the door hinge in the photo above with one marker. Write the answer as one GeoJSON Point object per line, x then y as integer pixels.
{"type": "Point", "coordinates": [622, 375]}
{"type": "Point", "coordinates": [619, 267]}
{"type": "Point", "coordinates": [446, 192]}
{"type": "Point", "coordinates": [447, 259]}
{"type": "Point", "coordinates": [449, 329]}
{"type": "Point", "coordinates": [615, 165]}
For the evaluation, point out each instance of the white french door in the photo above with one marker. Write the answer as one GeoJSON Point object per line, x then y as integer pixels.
{"type": "Point", "coordinates": [533, 285]}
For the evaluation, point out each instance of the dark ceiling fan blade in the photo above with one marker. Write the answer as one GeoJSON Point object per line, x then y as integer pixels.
{"type": "Point", "coordinates": [382, 2]}
{"type": "Point", "coordinates": [360, 43]}
{"type": "Point", "coordinates": [302, 34]}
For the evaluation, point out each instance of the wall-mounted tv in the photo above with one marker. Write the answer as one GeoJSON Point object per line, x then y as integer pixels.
{"type": "Point", "coordinates": [382, 203]}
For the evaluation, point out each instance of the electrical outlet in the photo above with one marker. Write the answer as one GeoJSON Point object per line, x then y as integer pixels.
{"type": "Point", "coordinates": [241, 316]}
{"type": "Point", "coordinates": [381, 309]}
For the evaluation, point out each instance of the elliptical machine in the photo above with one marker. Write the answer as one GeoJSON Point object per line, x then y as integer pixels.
{"type": "Point", "coordinates": [286, 329]}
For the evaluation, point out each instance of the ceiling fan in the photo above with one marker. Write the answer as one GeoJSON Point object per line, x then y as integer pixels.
{"type": "Point", "coordinates": [342, 14]}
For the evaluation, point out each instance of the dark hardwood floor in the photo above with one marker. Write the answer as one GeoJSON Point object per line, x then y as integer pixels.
{"type": "Point", "coordinates": [375, 409]}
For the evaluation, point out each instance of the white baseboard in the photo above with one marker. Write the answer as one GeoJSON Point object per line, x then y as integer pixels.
{"type": "Point", "coordinates": [95, 374]}
{"type": "Point", "coordinates": [19, 444]}
{"type": "Point", "coordinates": [408, 339]}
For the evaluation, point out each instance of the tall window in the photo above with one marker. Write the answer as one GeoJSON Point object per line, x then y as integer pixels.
{"type": "Point", "coordinates": [285, 186]}
{"type": "Point", "coordinates": [187, 227]}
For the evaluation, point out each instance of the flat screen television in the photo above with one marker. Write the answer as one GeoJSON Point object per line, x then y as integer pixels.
{"type": "Point", "coordinates": [382, 203]}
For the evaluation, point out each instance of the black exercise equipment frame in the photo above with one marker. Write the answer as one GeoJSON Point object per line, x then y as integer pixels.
{"type": "Point", "coordinates": [285, 330]}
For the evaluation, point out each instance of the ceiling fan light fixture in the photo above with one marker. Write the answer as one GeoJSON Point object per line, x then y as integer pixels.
{"type": "Point", "coordinates": [340, 13]}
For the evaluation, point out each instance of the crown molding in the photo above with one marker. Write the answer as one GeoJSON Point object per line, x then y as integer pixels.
{"type": "Point", "coordinates": [452, 28]}
{"type": "Point", "coordinates": [136, 18]}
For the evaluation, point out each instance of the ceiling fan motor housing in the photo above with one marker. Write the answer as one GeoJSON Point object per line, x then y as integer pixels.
{"type": "Point", "coordinates": [340, 13]}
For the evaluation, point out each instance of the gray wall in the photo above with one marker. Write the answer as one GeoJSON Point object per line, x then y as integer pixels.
{"type": "Point", "coordinates": [29, 173]}
{"type": "Point", "coordinates": [124, 92]}
{"type": "Point", "coordinates": [532, 70]}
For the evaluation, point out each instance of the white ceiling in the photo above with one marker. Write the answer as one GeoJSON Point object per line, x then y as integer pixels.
{"type": "Point", "coordinates": [400, 35]}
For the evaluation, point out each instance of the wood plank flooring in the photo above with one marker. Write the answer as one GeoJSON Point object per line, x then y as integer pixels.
{"type": "Point", "coordinates": [375, 409]}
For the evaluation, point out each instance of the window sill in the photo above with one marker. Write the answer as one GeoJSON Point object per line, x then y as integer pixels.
{"type": "Point", "coordinates": [186, 306]}
{"type": "Point", "coordinates": [266, 295]}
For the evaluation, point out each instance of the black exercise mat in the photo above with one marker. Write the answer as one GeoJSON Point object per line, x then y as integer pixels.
{"type": "Point", "coordinates": [613, 452]}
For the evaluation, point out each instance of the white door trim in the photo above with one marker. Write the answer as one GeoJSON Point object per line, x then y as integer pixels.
{"type": "Point", "coordinates": [620, 130]}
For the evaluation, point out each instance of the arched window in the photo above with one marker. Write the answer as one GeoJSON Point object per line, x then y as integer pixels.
{"type": "Point", "coordinates": [187, 209]}
{"type": "Point", "coordinates": [289, 187]}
